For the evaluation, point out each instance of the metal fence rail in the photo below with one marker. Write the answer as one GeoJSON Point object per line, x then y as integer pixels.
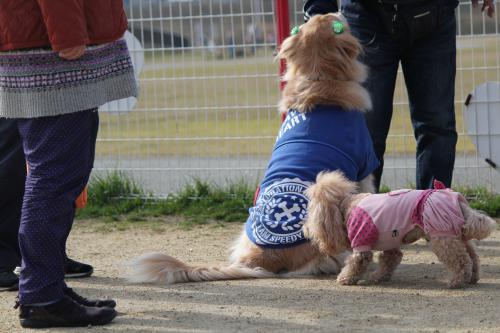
{"type": "Point", "coordinates": [209, 89]}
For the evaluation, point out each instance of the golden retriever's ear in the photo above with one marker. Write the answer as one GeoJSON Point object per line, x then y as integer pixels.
{"type": "Point", "coordinates": [348, 46]}
{"type": "Point", "coordinates": [325, 225]}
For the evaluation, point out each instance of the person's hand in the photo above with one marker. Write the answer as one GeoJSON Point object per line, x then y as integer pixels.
{"type": "Point", "coordinates": [72, 53]}
{"type": "Point", "coordinates": [487, 4]}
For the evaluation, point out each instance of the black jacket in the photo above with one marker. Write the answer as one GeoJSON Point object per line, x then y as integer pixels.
{"type": "Point", "coordinates": [313, 7]}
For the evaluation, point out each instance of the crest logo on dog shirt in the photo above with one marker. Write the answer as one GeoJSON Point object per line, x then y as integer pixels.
{"type": "Point", "coordinates": [279, 213]}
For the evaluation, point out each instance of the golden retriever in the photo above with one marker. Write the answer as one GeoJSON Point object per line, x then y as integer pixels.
{"type": "Point", "coordinates": [322, 70]}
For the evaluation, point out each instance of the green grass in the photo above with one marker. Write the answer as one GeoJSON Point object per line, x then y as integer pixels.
{"type": "Point", "coordinates": [122, 204]}
{"type": "Point", "coordinates": [193, 104]}
{"type": "Point", "coordinates": [482, 199]}
{"type": "Point", "coordinates": [115, 198]}
{"type": "Point", "coordinates": [106, 195]}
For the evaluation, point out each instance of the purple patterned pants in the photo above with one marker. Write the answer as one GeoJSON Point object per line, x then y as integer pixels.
{"type": "Point", "coordinates": [60, 152]}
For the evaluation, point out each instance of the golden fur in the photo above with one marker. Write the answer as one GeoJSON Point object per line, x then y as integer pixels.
{"type": "Point", "coordinates": [329, 208]}
{"type": "Point", "coordinates": [322, 69]}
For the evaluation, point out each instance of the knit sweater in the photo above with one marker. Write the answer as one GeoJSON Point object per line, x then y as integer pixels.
{"type": "Point", "coordinates": [39, 83]}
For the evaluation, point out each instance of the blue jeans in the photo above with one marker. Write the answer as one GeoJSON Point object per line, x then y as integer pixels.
{"type": "Point", "coordinates": [429, 66]}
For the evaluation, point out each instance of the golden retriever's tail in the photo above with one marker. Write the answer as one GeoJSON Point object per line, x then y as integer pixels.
{"type": "Point", "coordinates": [160, 268]}
{"type": "Point", "coordinates": [477, 225]}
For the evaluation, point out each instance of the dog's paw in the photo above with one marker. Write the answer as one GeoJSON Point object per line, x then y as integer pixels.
{"type": "Point", "coordinates": [346, 280]}
{"type": "Point", "coordinates": [379, 276]}
{"type": "Point", "coordinates": [474, 276]}
{"type": "Point", "coordinates": [456, 284]}
{"type": "Point", "coordinates": [474, 279]}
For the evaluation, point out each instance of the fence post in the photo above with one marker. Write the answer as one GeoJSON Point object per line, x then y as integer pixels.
{"type": "Point", "coordinates": [282, 32]}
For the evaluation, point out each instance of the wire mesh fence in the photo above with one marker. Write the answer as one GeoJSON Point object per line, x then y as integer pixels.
{"type": "Point", "coordinates": [209, 89]}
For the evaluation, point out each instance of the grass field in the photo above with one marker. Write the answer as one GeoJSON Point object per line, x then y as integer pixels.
{"type": "Point", "coordinates": [196, 105]}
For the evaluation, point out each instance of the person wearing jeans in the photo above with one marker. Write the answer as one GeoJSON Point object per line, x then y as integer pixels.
{"type": "Point", "coordinates": [420, 35]}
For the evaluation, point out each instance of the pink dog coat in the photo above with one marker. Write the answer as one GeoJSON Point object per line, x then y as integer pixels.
{"type": "Point", "coordinates": [380, 221]}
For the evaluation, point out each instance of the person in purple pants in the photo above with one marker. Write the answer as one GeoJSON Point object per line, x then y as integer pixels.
{"type": "Point", "coordinates": [56, 68]}
{"type": "Point", "coordinates": [12, 179]}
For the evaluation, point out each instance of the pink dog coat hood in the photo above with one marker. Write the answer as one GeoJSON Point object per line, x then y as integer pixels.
{"type": "Point", "coordinates": [380, 221]}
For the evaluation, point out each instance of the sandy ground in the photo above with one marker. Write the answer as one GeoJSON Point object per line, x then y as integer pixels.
{"type": "Point", "coordinates": [416, 300]}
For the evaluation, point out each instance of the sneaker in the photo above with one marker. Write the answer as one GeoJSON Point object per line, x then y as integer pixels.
{"type": "Point", "coordinates": [64, 313]}
{"type": "Point", "coordinates": [75, 269]}
{"type": "Point", "coordinates": [72, 269]}
{"type": "Point", "coordinates": [98, 303]}
{"type": "Point", "coordinates": [8, 281]}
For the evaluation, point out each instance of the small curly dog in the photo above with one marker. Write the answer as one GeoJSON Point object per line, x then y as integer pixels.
{"type": "Point", "coordinates": [340, 219]}
{"type": "Point", "coordinates": [324, 130]}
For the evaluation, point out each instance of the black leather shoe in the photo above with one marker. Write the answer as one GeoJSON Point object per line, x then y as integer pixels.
{"type": "Point", "coordinates": [75, 269]}
{"type": "Point", "coordinates": [8, 281]}
{"type": "Point", "coordinates": [64, 313]}
{"type": "Point", "coordinates": [98, 303]}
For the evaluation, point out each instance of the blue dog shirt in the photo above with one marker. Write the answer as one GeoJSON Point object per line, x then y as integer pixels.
{"type": "Point", "coordinates": [325, 139]}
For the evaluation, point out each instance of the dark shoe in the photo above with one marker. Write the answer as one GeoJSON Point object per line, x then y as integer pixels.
{"type": "Point", "coordinates": [75, 269]}
{"type": "Point", "coordinates": [64, 313]}
{"type": "Point", "coordinates": [98, 303]}
{"type": "Point", "coordinates": [8, 281]}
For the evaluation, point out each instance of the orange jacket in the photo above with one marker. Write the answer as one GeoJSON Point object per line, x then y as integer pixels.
{"type": "Point", "coordinates": [60, 24]}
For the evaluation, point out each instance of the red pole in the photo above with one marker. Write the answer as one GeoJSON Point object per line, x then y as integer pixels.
{"type": "Point", "coordinates": [282, 32]}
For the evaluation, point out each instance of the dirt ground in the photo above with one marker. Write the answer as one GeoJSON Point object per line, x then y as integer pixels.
{"type": "Point", "coordinates": [416, 300]}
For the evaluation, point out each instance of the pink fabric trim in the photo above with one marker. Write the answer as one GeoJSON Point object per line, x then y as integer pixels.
{"type": "Point", "coordinates": [416, 215]}
{"type": "Point", "coordinates": [361, 230]}
{"type": "Point", "coordinates": [364, 248]}
{"type": "Point", "coordinates": [438, 185]}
